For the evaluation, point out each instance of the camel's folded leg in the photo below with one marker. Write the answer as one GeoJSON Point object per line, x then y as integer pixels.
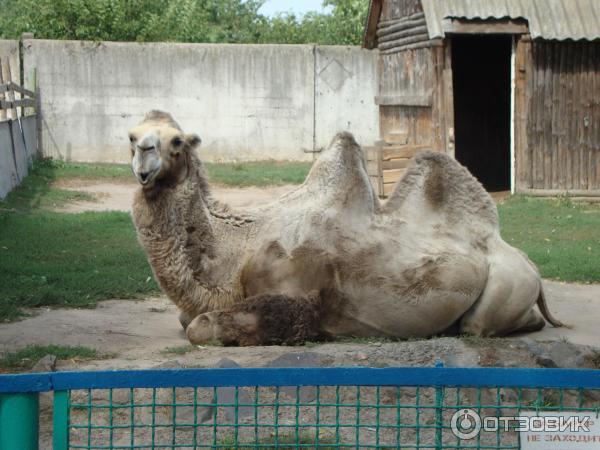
{"type": "Point", "coordinates": [260, 320]}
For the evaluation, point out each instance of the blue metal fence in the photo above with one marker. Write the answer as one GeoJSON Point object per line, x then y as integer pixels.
{"type": "Point", "coordinates": [284, 408]}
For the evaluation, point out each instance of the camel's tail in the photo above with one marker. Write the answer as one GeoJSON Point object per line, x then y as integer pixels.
{"type": "Point", "coordinates": [543, 305]}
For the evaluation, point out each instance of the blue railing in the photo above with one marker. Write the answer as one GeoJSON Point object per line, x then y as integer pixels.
{"type": "Point", "coordinates": [87, 413]}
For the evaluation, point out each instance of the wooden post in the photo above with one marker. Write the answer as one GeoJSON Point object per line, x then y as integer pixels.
{"type": "Point", "coordinates": [10, 95]}
{"type": "Point", "coordinates": [523, 169]}
{"type": "Point", "coordinates": [30, 84]}
{"type": "Point", "coordinates": [448, 90]}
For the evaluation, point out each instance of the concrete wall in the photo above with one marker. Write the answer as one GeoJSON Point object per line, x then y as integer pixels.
{"type": "Point", "coordinates": [345, 90]}
{"type": "Point", "coordinates": [17, 149]}
{"type": "Point", "coordinates": [245, 101]}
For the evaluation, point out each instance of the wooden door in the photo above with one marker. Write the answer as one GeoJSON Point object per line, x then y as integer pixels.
{"type": "Point", "coordinates": [412, 108]}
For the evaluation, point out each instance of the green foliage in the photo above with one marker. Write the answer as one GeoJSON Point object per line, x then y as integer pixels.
{"type": "Point", "coordinates": [26, 358]}
{"type": "Point", "coordinates": [228, 21]}
{"type": "Point", "coordinates": [560, 236]}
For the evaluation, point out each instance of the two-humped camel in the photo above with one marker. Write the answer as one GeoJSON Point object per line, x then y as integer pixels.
{"type": "Point", "coordinates": [328, 259]}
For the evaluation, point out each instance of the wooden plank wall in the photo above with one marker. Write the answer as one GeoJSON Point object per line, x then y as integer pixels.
{"type": "Point", "coordinates": [410, 92]}
{"type": "Point", "coordinates": [562, 148]}
{"type": "Point", "coordinates": [398, 9]}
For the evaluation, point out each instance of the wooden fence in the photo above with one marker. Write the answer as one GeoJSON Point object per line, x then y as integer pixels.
{"type": "Point", "coordinates": [18, 129]}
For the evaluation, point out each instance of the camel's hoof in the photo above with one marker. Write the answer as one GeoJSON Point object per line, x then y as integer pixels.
{"type": "Point", "coordinates": [203, 330]}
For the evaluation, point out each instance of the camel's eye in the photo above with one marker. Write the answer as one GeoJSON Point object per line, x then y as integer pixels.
{"type": "Point", "coordinates": [176, 141]}
{"type": "Point", "coordinates": [132, 139]}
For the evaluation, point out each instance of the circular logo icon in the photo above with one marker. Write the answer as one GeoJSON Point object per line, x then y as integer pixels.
{"type": "Point", "coordinates": [466, 424]}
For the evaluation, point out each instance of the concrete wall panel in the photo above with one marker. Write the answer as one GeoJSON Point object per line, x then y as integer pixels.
{"type": "Point", "coordinates": [247, 102]}
{"type": "Point", "coordinates": [346, 85]}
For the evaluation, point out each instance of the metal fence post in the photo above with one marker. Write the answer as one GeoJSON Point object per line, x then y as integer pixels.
{"type": "Point", "coordinates": [439, 412]}
{"type": "Point", "coordinates": [19, 421]}
{"type": "Point", "coordinates": [60, 421]}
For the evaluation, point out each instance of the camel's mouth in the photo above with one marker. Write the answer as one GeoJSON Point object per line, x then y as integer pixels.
{"type": "Point", "coordinates": [146, 178]}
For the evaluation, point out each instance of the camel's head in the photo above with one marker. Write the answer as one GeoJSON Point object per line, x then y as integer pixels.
{"type": "Point", "coordinates": [160, 149]}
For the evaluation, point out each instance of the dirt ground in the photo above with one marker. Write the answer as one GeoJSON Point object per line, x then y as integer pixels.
{"type": "Point", "coordinates": [119, 196]}
{"type": "Point", "coordinates": [141, 334]}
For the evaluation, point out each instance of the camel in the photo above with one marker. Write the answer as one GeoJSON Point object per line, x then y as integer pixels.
{"type": "Point", "coordinates": [329, 259]}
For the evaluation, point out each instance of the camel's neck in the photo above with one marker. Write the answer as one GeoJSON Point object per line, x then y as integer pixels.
{"type": "Point", "coordinates": [194, 245]}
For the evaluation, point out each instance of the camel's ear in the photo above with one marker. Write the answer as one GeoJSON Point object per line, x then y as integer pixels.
{"type": "Point", "coordinates": [192, 140]}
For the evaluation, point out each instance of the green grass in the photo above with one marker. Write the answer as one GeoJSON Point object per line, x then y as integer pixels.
{"type": "Point", "coordinates": [61, 169]}
{"type": "Point", "coordinates": [75, 260]}
{"type": "Point", "coordinates": [26, 358]}
{"type": "Point", "coordinates": [560, 236]}
{"type": "Point", "coordinates": [263, 173]}
{"type": "Point", "coordinates": [259, 173]}
{"type": "Point", "coordinates": [53, 259]}
{"type": "Point", "coordinates": [36, 191]}
{"type": "Point", "coordinates": [181, 350]}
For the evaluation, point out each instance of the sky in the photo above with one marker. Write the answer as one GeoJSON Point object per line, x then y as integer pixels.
{"type": "Point", "coordinates": [272, 7]}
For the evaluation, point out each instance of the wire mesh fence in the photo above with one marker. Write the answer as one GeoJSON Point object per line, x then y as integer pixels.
{"type": "Point", "coordinates": [322, 417]}
{"type": "Point", "coordinates": [412, 408]}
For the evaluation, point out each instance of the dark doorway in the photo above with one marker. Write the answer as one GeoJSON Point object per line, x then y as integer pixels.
{"type": "Point", "coordinates": [481, 77]}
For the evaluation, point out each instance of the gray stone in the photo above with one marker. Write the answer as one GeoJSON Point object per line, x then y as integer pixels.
{"type": "Point", "coordinates": [173, 364]}
{"type": "Point", "coordinates": [545, 360]}
{"type": "Point", "coordinates": [45, 364]}
{"type": "Point", "coordinates": [226, 363]}
{"type": "Point", "coordinates": [565, 354]}
{"type": "Point", "coordinates": [555, 354]}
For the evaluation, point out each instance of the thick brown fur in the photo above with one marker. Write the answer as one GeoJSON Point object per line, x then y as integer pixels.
{"type": "Point", "coordinates": [281, 320]}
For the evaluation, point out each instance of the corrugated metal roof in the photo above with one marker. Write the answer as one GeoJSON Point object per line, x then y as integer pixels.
{"type": "Point", "coordinates": [548, 19]}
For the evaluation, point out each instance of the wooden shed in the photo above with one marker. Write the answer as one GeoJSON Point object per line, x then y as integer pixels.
{"type": "Point", "coordinates": [510, 88]}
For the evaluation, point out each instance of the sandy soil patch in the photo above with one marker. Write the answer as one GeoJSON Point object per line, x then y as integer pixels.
{"type": "Point", "coordinates": [118, 196]}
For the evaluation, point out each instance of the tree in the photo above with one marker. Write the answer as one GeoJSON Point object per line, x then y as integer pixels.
{"type": "Point", "coordinates": [232, 21]}
{"type": "Point", "coordinates": [343, 26]}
